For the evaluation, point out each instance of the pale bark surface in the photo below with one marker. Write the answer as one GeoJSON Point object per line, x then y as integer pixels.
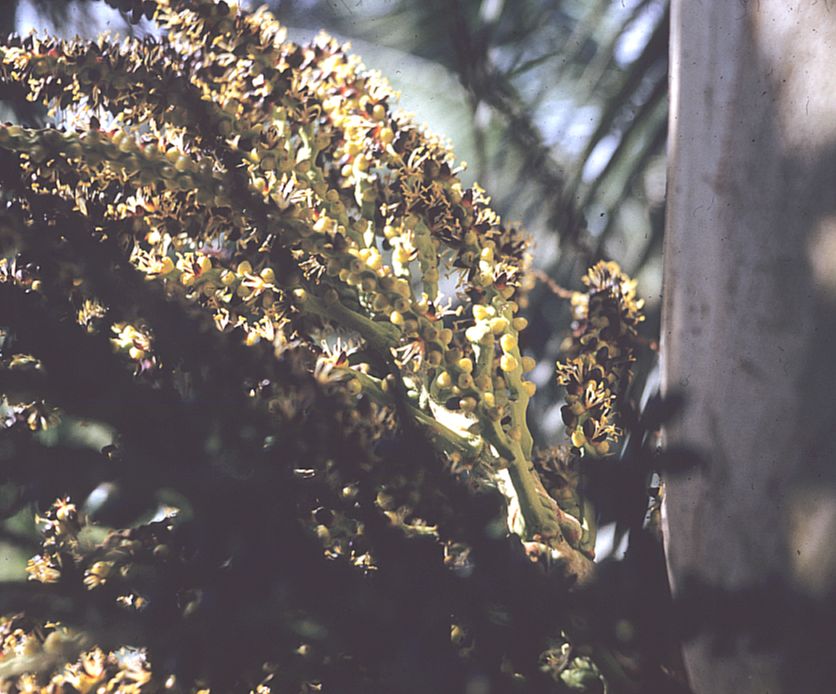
{"type": "Point", "coordinates": [749, 326]}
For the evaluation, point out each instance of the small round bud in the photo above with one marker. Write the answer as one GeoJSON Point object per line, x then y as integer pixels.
{"type": "Point", "coordinates": [375, 260]}
{"type": "Point", "coordinates": [400, 304]}
{"type": "Point", "coordinates": [508, 342]}
{"type": "Point", "coordinates": [468, 404]}
{"type": "Point", "coordinates": [457, 635]}
{"type": "Point", "coordinates": [166, 266]}
{"type": "Point", "coordinates": [451, 356]}
{"type": "Point", "coordinates": [481, 312]}
{"type": "Point", "coordinates": [483, 382]}
{"type": "Point", "coordinates": [380, 303]}
{"type": "Point", "coordinates": [602, 448]}
{"type": "Point", "coordinates": [443, 380]}
{"type": "Point", "coordinates": [333, 267]}
{"type": "Point", "coordinates": [507, 363]}
{"type": "Point", "coordinates": [401, 255]}
{"type": "Point", "coordinates": [386, 136]}
{"type": "Point", "coordinates": [434, 357]}
{"type": "Point", "coordinates": [322, 225]}
{"type": "Point", "coordinates": [498, 325]}
{"type": "Point", "coordinates": [402, 287]}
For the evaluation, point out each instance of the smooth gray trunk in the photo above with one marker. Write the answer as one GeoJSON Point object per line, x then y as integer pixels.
{"type": "Point", "coordinates": [749, 320]}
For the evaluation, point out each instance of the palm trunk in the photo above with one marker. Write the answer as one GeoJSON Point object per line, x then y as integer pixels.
{"type": "Point", "coordinates": [749, 321]}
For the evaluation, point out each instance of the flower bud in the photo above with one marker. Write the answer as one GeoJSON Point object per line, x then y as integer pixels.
{"type": "Point", "coordinates": [498, 325]}
{"type": "Point", "coordinates": [507, 363]}
{"type": "Point", "coordinates": [508, 342]}
{"type": "Point", "coordinates": [468, 404]}
{"type": "Point", "coordinates": [578, 438]}
{"type": "Point", "coordinates": [481, 312]}
{"type": "Point", "coordinates": [166, 266]}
